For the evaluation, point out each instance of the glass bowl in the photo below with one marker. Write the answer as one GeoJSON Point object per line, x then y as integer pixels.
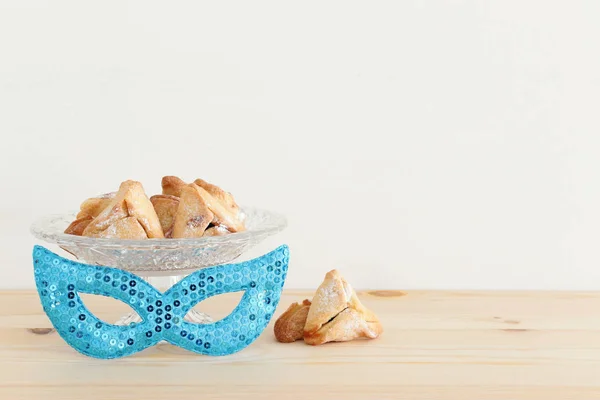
{"type": "Point", "coordinates": [158, 257]}
{"type": "Point", "coordinates": [152, 259]}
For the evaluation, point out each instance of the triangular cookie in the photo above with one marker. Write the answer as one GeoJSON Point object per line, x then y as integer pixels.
{"type": "Point", "coordinates": [166, 207]}
{"type": "Point", "coordinates": [336, 314]}
{"type": "Point", "coordinates": [172, 185]}
{"type": "Point", "coordinates": [330, 299]}
{"type": "Point", "coordinates": [130, 201]}
{"type": "Point", "coordinates": [224, 197]}
{"type": "Point", "coordinates": [224, 216]}
{"type": "Point", "coordinates": [94, 205]}
{"type": "Point", "coordinates": [193, 214]}
{"type": "Point", "coordinates": [78, 226]}
{"type": "Point", "coordinates": [289, 327]}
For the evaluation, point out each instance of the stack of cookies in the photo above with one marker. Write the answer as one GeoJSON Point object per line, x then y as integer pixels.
{"type": "Point", "coordinates": [182, 211]}
{"type": "Point", "coordinates": [335, 314]}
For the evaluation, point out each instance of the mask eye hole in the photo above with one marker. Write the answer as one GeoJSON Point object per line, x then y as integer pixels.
{"type": "Point", "coordinates": [217, 307]}
{"type": "Point", "coordinates": [108, 309]}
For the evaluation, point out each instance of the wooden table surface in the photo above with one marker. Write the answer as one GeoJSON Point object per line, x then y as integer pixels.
{"type": "Point", "coordinates": [436, 345]}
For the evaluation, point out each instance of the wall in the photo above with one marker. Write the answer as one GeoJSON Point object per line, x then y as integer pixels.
{"type": "Point", "coordinates": [438, 144]}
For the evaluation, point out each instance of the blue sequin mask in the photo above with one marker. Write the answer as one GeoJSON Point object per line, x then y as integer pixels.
{"type": "Point", "coordinates": [59, 282]}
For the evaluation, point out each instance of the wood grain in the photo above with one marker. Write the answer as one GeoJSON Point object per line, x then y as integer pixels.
{"type": "Point", "coordinates": [436, 345]}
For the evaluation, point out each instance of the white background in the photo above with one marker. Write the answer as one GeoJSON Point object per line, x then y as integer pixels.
{"type": "Point", "coordinates": [411, 144]}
